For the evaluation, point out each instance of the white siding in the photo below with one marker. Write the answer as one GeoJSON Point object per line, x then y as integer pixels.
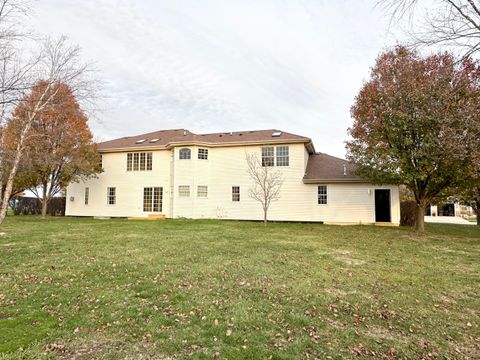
{"type": "Point", "coordinates": [225, 167]}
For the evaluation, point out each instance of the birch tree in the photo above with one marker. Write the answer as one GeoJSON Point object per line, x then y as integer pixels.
{"type": "Point", "coordinates": [54, 62]}
{"type": "Point", "coordinates": [267, 183]}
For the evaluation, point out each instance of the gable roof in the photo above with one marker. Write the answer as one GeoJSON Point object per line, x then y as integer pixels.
{"type": "Point", "coordinates": [165, 139]}
{"type": "Point", "coordinates": [326, 168]}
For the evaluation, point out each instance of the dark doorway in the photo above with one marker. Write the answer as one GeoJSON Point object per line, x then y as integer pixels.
{"type": "Point", "coordinates": [382, 205]}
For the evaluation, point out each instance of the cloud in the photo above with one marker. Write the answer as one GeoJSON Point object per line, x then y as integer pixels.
{"type": "Point", "coordinates": [224, 65]}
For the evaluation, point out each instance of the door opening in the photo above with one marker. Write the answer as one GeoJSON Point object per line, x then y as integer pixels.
{"type": "Point", "coordinates": [382, 205]}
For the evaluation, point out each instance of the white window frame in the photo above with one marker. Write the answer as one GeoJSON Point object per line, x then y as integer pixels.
{"type": "Point", "coordinates": [282, 157]}
{"type": "Point", "coordinates": [182, 154]}
{"type": "Point", "coordinates": [202, 191]}
{"type": "Point", "coordinates": [268, 156]}
{"type": "Point", "coordinates": [184, 190]}
{"type": "Point", "coordinates": [235, 194]}
{"type": "Point", "coordinates": [111, 195]}
{"type": "Point", "coordinates": [154, 201]}
{"type": "Point", "coordinates": [322, 196]}
{"type": "Point", "coordinates": [202, 154]}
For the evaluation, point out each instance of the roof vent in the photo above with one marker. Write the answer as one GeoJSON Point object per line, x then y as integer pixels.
{"type": "Point", "coordinates": [276, 134]}
{"type": "Point", "coordinates": [140, 141]}
{"type": "Point", "coordinates": [154, 140]}
{"type": "Point", "coordinates": [344, 170]}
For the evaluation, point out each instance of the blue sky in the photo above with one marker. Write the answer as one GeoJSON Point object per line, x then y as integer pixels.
{"type": "Point", "coordinates": [218, 65]}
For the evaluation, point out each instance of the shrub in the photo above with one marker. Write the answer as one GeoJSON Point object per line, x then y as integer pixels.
{"type": "Point", "coordinates": [408, 213]}
{"type": "Point", "coordinates": [32, 206]}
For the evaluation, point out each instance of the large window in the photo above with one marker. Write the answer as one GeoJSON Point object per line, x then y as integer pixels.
{"type": "Point", "coordinates": [203, 154]}
{"type": "Point", "coordinates": [272, 156]}
{"type": "Point", "coordinates": [268, 156]}
{"type": "Point", "coordinates": [235, 193]}
{"type": "Point", "coordinates": [282, 155]}
{"type": "Point", "coordinates": [202, 191]}
{"type": "Point", "coordinates": [184, 190]}
{"type": "Point", "coordinates": [152, 199]}
{"type": "Point", "coordinates": [111, 195]}
{"type": "Point", "coordinates": [87, 195]}
{"type": "Point", "coordinates": [322, 194]}
{"type": "Point", "coordinates": [185, 154]}
{"type": "Point", "coordinates": [139, 161]}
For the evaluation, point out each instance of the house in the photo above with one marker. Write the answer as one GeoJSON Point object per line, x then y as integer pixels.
{"type": "Point", "coordinates": [453, 208]}
{"type": "Point", "coordinates": [185, 175]}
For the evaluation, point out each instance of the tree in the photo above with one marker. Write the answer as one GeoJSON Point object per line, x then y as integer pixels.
{"type": "Point", "coordinates": [267, 183]}
{"type": "Point", "coordinates": [415, 123]}
{"type": "Point", "coordinates": [55, 63]}
{"type": "Point", "coordinates": [451, 23]}
{"type": "Point", "coordinates": [60, 129]}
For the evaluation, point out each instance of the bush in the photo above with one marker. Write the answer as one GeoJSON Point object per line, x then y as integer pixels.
{"type": "Point", "coordinates": [408, 213]}
{"type": "Point", "coordinates": [32, 206]}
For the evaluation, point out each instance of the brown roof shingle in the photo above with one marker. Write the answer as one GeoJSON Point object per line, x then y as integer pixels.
{"type": "Point", "coordinates": [323, 167]}
{"type": "Point", "coordinates": [165, 138]}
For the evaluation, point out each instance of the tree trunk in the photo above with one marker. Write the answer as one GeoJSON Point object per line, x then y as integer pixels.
{"type": "Point", "coordinates": [420, 223]}
{"type": "Point", "coordinates": [9, 187]}
{"type": "Point", "coordinates": [44, 207]}
{"type": "Point", "coordinates": [265, 217]}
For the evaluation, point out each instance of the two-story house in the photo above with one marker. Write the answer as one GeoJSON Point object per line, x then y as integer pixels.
{"type": "Point", "coordinates": [185, 175]}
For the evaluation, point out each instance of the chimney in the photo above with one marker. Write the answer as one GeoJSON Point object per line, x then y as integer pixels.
{"type": "Point", "coordinates": [344, 170]}
{"type": "Point", "coordinates": [184, 132]}
{"type": "Point", "coordinates": [231, 133]}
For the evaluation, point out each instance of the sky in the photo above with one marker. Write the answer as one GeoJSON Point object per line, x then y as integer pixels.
{"type": "Point", "coordinates": [220, 65]}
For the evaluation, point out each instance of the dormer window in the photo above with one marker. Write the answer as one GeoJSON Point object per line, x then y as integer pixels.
{"type": "Point", "coordinates": [154, 140]}
{"type": "Point", "coordinates": [185, 154]}
{"type": "Point", "coordinates": [140, 141]}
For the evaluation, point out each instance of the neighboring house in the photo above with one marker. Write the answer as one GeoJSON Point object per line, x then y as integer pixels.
{"type": "Point", "coordinates": [185, 175]}
{"type": "Point", "coordinates": [450, 209]}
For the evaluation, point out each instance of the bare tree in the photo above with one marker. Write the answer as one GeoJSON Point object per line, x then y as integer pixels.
{"type": "Point", "coordinates": [267, 182]}
{"type": "Point", "coordinates": [450, 23]}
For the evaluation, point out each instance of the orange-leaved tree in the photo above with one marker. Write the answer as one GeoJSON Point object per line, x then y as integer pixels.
{"type": "Point", "coordinates": [416, 123]}
{"type": "Point", "coordinates": [60, 147]}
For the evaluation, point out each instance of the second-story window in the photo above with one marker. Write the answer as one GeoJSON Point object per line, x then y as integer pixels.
{"type": "Point", "coordinates": [139, 161]}
{"type": "Point", "coordinates": [282, 156]}
{"type": "Point", "coordinates": [100, 161]}
{"type": "Point", "coordinates": [203, 154]}
{"type": "Point", "coordinates": [268, 156]}
{"type": "Point", "coordinates": [185, 154]}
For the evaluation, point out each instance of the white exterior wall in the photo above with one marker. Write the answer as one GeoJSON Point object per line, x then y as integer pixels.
{"type": "Point", "coordinates": [225, 167]}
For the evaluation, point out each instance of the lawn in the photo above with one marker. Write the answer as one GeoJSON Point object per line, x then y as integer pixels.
{"type": "Point", "coordinates": [109, 289]}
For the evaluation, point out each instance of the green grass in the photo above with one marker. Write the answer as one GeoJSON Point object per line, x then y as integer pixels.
{"type": "Point", "coordinates": [109, 289]}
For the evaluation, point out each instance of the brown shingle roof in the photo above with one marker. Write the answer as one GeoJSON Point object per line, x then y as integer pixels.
{"type": "Point", "coordinates": [166, 138]}
{"type": "Point", "coordinates": [324, 168]}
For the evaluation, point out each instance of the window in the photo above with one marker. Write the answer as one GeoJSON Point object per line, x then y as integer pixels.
{"type": "Point", "coordinates": [149, 161]}
{"type": "Point", "coordinates": [282, 155]}
{"type": "Point", "coordinates": [184, 191]}
{"type": "Point", "coordinates": [203, 154]}
{"type": "Point", "coordinates": [111, 195]}
{"type": "Point", "coordinates": [235, 193]}
{"type": "Point", "coordinates": [129, 161]}
{"type": "Point", "coordinates": [202, 191]}
{"type": "Point", "coordinates": [322, 194]}
{"type": "Point", "coordinates": [268, 156]}
{"type": "Point", "coordinates": [140, 161]}
{"type": "Point", "coordinates": [136, 157]}
{"type": "Point", "coordinates": [87, 194]}
{"type": "Point", "coordinates": [100, 161]}
{"type": "Point", "coordinates": [152, 199]}
{"type": "Point", "coordinates": [185, 154]}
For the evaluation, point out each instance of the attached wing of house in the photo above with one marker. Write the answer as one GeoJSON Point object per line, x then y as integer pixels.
{"type": "Point", "coordinates": [184, 175]}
